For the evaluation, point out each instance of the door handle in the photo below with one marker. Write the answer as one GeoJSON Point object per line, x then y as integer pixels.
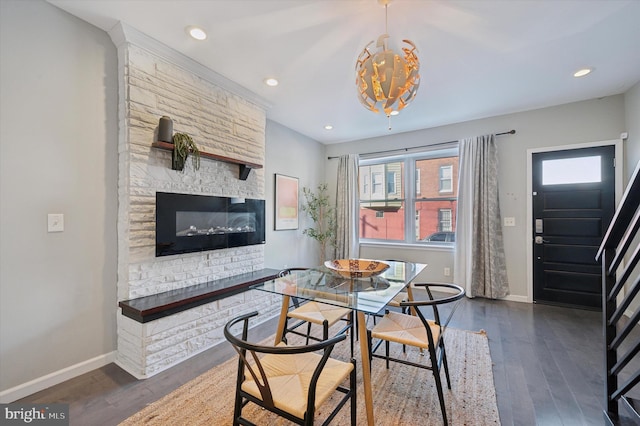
{"type": "Point", "coordinates": [540, 240]}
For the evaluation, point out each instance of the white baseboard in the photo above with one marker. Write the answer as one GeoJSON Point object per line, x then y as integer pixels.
{"type": "Point", "coordinates": [513, 298]}
{"type": "Point", "coordinates": [44, 382]}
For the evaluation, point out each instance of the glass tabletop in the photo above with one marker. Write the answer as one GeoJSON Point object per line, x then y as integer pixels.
{"type": "Point", "coordinates": [368, 294]}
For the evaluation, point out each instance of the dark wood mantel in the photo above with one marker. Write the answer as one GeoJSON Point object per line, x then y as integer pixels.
{"type": "Point", "coordinates": [149, 308]}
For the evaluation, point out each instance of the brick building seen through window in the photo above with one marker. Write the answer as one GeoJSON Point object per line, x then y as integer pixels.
{"type": "Point", "coordinates": [431, 196]}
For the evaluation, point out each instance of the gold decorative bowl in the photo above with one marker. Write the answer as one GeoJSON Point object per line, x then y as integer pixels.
{"type": "Point", "coordinates": [356, 268]}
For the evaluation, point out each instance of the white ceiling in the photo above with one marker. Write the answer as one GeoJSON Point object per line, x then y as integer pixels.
{"type": "Point", "coordinates": [478, 58]}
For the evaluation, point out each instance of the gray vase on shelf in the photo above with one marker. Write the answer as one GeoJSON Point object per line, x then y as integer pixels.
{"type": "Point", "coordinates": [165, 129]}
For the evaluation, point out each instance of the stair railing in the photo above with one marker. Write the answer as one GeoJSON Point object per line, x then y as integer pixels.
{"type": "Point", "coordinates": [619, 255]}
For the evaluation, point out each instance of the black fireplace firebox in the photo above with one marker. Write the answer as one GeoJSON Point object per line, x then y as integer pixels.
{"type": "Point", "coordinates": [190, 223]}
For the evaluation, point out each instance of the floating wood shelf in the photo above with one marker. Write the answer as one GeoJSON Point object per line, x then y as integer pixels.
{"type": "Point", "coordinates": [245, 167]}
{"type": "Point", "coordinates": [149, 308]}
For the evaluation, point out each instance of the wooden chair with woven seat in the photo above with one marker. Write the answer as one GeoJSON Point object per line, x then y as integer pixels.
{"type": "Point", "coordinates": [420, 332]}
{"type": "Point", "coordinates": [290, 381]}
{"type": "Point", "coordinates": [313, 312]}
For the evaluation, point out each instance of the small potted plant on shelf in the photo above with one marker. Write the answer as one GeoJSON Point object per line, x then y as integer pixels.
{"type": "Point", "coordinates": [183, 146]}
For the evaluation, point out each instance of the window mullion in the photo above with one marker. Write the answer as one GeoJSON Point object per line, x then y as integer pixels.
{"type": "Point", "coordinates": [409, 204]}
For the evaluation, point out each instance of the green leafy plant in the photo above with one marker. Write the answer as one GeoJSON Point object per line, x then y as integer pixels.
{"type": "Point", "coordinates": [316, 205]}
{"type": "Point", "coordinates": [183, 146]}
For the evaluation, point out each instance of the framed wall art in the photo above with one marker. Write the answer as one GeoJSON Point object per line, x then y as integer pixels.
{"type": "Point", "coordinates": [286, 203]}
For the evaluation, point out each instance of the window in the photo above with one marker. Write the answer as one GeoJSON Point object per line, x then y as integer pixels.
{"type": "Point", "coordinates": [572, 170]}
{"type": "Point", "coordinates": [413, 197]}
{"type": "Point", "coordinates": [381, 211]}
{"type": "Point", "coordinates": [376, 178]}
{"type": "Point", "coordinates": [444, 220]}
{"type": "Point", "coordinates": [391, 182]}
{"type": "Point", "coordinates": [446, 178]}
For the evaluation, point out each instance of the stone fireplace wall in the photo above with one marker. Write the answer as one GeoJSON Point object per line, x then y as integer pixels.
{"type": "Point", "coordinates": [156, 81]}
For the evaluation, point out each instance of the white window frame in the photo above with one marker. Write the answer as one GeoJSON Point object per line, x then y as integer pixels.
{"type": "Point", "coordinates": [410, 188]}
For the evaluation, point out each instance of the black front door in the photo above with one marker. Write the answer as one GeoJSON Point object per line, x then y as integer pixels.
{"type": "Point", "coordinates": [573, 203]}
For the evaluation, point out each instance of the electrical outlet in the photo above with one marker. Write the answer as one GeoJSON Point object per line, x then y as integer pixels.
{"type": "Point", "coordinates": [509, 221]}
{"type": "Point", "coordinates": [55, 222]}
{"type": "Point", "coordinates": [447, 272]}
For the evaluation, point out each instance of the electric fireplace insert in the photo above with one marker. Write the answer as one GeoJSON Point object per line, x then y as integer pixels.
{"type": "Point", "coordinates": [190, 223]}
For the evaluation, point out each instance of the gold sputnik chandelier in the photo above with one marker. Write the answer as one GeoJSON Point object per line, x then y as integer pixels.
{"type": "Point", "coordinates": [387, 80]}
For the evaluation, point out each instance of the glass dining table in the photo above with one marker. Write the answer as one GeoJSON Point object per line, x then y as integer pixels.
{"type": "Point", "coordinates": [363, 294]}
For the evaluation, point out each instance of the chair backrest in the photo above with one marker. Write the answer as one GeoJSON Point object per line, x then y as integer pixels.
{"type": "Point", "coordinates": [453, 293]}
{"type": "Point", "coordinates": [254, 367]}
{"type": "Point", "coordinates": [283, 273]}
{"type": "Point", "coordinates": [287, 271]}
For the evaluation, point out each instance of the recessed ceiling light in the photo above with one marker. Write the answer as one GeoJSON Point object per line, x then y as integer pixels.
{"type": "Point", "coordinates": [196, 32]}
{"type": "Point", "coordinates": [582, 72]}
{"type": "Point", "coordinates": [271, 81]}
{"type": "Point", "coordinates": [328, 127]}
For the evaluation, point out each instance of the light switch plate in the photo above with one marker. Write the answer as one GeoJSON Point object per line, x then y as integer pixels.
{"type": "Point", "coordinates": [55, 222]}
{"type": "Point", "coordinates": [509, 221]}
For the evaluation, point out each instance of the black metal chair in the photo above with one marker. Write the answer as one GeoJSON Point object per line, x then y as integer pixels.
{"type": "Point", "coordinates": [312, 312]}
{"type": "Point", "coordinates": [418, 331]}
{"type": "Point", "coordinates": [290, 381]}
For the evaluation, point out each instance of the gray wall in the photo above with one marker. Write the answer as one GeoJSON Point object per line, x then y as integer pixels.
{"type": "Point", "coordinates": [292, 154]}
{"type": "Point", "coordinates": [58, 154]}
{"type": "Point", "coordinates": [632, 121]}
{"type": "Point", "coordinates": [588, 121]}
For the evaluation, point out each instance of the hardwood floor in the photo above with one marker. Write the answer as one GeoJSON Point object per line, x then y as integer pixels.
{"type": "Point", "coordinates": [547, 370]}
{"type": "Point", "coordinates": [548, 361]}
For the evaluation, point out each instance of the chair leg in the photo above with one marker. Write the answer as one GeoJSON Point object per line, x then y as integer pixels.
{"type": "Point", "coordinates": [355, 319]}
{"type": "Point", "coordinates": [386, 349]}
{"type": "Point", "coordinates": [286, 328]}
{"type": "Point", "coordinates": [353, 385]}
{"type": "Point", "coordinates": [237, 409]}
{"type": "Point", "coordinates": [352, 330]}
{"type": "Point", "coordinates": [436, 375]}
{"type": "Point", "coordinates": [446, 365]}
{"type": "Point", "coordinates": [308, 332]}
{"type": "Point", "coordinates": [370, 346]}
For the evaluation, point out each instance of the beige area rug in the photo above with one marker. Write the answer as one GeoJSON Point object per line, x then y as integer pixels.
{"type": "Point", "coordinates": [403, 395]}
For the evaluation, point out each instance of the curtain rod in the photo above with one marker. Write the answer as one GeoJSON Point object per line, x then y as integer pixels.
{"type": "Point", "coordinates": [510, 132]}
